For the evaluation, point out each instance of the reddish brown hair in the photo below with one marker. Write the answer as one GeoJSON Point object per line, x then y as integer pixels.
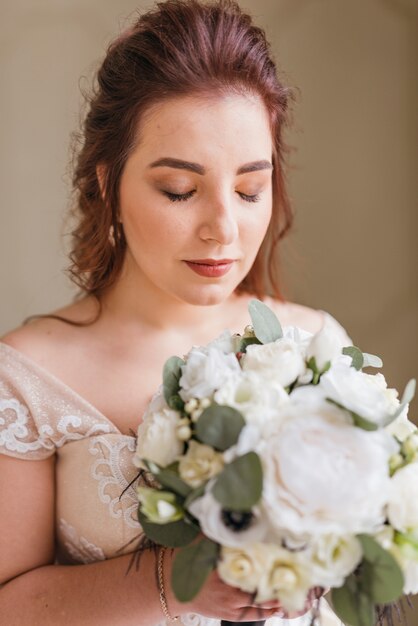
{"type": "Point", "coordinates": [181, 47]}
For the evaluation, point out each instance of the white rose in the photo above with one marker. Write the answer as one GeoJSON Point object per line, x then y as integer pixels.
{"type": "Point", "coordinates": [280, 361]}
{"type": "Point", "coordinates": [322, 475]}
{"type": "Point", "coordinates": [243, 567]}
{"type": "Point", "coordinates": [326, 345]}
{"type": "Point", "coordinates": [199, 464]}
{"type": "Point", "coordinates": [287, 578]}
{"type": "Point", "coordinates": [333, 558]}
{"type": "Point", "coordinates": [157, 434]}
{"type": "Point", "coordinates": [205, 371]}
{"type": "Point", "coordinates": [209, 513]}
{"type": "Point", "coordinates": [299, 336]}
{"type": "Point", "coordinates": [225, 342]}
{"type": "Point", "coordinates": [254, 397]}
{"type": "Point", "coordinates": [403, 499]}
{"type": "Point", "coordinates": [364, 394]}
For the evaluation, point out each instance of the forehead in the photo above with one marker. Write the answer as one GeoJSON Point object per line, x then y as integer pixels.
{"type": "Point", "coordinates": [196, 125]}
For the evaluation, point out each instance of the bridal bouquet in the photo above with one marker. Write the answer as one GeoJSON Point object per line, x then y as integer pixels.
{"type": "Point", "coordinates": [275, 459]}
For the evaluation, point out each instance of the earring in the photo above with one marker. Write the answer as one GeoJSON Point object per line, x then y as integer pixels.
{"type": "Point", "coordinates": [111, 236]}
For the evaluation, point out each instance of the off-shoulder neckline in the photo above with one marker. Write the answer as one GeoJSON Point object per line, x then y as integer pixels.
{"type": "Point", "coordinates": [59, 383]}
{"type": "Point", "coordinates": [69, 390]}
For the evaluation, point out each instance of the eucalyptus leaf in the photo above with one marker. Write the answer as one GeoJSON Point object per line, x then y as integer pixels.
{"type": "Point", "coordinates": [172, 535]}
{"type": "Point", "coordinates": [371, 360]}
{"type": "Point", "coordinates": [266, 326]}
{"type": "Point", "coordinates": [171, 377]}
{"type": "Point", "coordinates": [191, 567]}
{"type": "Point", "coordinates": [407, 396]}
{"type": "Point", "coordinates": [171, 480]}
{"type": "Point", "coordinates": [352, 606]}
{"type": "Point", "coordinates": [240, 484]}
{"type": "Point", "coordinates": [356, 356]}
{"type": "Point", "coordinates": [219, 426]}
{"type": "Point", "coordinates": [380, 575]}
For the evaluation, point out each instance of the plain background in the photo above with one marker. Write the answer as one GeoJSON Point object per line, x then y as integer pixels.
{"type": "Point", "coordinates": [353, 181]}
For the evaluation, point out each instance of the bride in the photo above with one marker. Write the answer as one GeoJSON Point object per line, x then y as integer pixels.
{"type": "Point", "coordinates": [180, 201]}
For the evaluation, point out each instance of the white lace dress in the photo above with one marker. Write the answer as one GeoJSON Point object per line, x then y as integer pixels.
{"type": "Point", "coordinates": [41, 416]}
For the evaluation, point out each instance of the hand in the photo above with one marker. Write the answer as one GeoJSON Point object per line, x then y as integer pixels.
{"type": "Point", "coordinates": [221, 601]}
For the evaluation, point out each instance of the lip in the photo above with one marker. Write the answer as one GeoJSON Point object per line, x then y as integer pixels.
{"type": "Point", "coordinates": [211, 268]}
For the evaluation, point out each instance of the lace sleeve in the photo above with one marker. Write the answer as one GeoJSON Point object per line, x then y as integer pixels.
{"type": "Point", "coordinates": [23, 432]}
{"type": "Point", "coordinates": [19, 435]}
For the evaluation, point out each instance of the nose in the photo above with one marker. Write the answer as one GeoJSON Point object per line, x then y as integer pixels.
{"type": "Point", "coordinates": [219, 221]}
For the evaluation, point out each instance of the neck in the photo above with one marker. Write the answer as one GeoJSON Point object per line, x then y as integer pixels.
{"type": "Point", "coordinates": [134, 302]}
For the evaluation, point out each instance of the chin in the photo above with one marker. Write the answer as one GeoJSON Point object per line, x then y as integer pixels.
{"type": "Point", "coordinates": [209, 295]}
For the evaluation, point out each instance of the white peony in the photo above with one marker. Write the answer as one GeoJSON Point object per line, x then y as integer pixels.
{"type": "Point", "coordinates": [256, 398]}
{"type": "Point", "coordinates": [157, 434]}
{"type": "Point", "coordinates": [205, 371]}
{"type": "Point", "coordinates": [366, 395]}
{"type": "Point", "coordinates": [280, 361]}
{"type": "Point", "coordinates": [199, 464]}
{"type": "Point", "coordinates": [322, 475]}
{"type": "Point", "coordinates": [209, 513]}
{"type": "Point", "coordinates": [403, 499]}
{"type": "Point", "coordinates": [333, 558]}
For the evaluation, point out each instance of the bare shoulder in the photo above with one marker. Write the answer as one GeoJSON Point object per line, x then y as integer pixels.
{"type": "Point", "coordinates": [42, 336]}
{"type": "Point", "coordinates": [293, 314]}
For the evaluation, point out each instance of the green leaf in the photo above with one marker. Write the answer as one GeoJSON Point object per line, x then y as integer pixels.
{"type": "Point", "coordinates": [196, 493]}
{"type": "Point", "coordinates": [239, 486]}
{"type": "Point", "coordinates": [407, 396]}
{"type": "Point", "coordinates": [380, 575]}
{"type": "Point", "coordinates": [248, 341]}
{"type": "Point", "coordinates": [371, 360]}
{"type": "Point", "coordinates": [191, 568]}
{"type": "Point", "coordinates": [171, 377]}
{"type": "Point", "coordinates": [219, 426]}
{"type": "Point", "coordinates": [176, 403]}
{"type": "Point", "coordinates": [351, 605]}
{"type": "Point", "coordinates": [265, 323]}
{"type": "Point", "coordinates": [356, 356]}
{"type": "Point", "coordinates": [171, 480]}
{"type": "Point", "coordinates": [359, 421]}
{"type": "Point", "coordinates": [172, 535]}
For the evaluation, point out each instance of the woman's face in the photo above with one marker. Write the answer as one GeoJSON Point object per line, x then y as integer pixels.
{"type": "Point", "coordinates": [197, 191]}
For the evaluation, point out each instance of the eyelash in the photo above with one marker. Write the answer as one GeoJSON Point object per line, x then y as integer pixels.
{"type": "Point", "coordinates": [182, 197]}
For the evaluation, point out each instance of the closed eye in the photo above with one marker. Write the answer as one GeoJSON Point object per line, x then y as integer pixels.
{"type": "Point", "coordinates": [178, 197]}
{"type": "Point", "coordinates": [250, 198]}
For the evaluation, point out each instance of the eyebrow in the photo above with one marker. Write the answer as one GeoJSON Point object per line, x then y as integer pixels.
{"type": "Point", "coordinates": [179, 164]}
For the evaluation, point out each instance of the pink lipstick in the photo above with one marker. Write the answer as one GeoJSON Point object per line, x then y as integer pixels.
{"type": "Point", "coordinates": [211, 268]}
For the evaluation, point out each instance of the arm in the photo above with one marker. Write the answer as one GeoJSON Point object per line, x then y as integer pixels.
{"type": "Point", "coordinates": [35, 591]}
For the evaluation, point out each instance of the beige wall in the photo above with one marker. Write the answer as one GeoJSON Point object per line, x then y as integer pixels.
{"type": "Point", "coordinates": [353, 250]}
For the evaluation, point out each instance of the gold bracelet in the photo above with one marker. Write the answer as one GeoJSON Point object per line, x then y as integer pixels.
{"type": "Point", "coordinates": [163, 599]}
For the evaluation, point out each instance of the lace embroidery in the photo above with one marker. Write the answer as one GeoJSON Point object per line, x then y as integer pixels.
{"type": "Point", "coordinates": [76, 422]}
{"type": "Point", "coordinates": [107, 470]}
{"type": "Point", "coordinates": [17, 428]}
{"type": "Point", "coordinates": [79, 548]}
